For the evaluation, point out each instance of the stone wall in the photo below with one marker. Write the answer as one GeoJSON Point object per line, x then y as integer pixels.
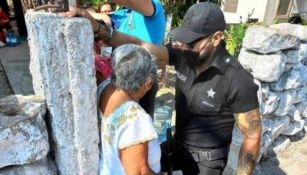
{"type": "Point", "coordinates": [277, 58]}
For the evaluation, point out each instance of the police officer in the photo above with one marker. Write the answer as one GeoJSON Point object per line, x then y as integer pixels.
{"type": "Point", "coordinates": [213, 91]}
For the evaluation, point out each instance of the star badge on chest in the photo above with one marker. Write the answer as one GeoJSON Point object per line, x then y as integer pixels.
{"type": "Point", "coordinates": [211, 93]}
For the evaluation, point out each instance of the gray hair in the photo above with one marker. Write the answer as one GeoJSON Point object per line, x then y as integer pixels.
{"type": "Point", "coordinates": [131, 66]}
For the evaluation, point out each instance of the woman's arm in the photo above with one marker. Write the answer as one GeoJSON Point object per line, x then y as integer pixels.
{"type": "Point", "coordinates": [135, 159]}
{"type": "Point", "coordinates": [118, 38]}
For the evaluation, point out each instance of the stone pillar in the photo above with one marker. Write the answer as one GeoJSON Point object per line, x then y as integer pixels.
{"type": "Point", "coordinates": [62, 67]}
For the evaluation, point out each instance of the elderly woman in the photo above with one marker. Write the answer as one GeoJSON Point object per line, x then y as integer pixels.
{"type": "Point", "coordinates": [129, 142]}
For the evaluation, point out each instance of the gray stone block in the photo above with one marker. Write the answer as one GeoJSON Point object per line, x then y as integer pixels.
{"type": "Point", "coordinates": [266, 68]}
{"type": "Point", "coordinates": [296, 116]}
{"type": "Point", "coordinates": [302, 108]}
{"type": "Point", "coordinates": [294, 128]}
{"type": "Point", "coordinates": [266, 40]}
{"type": "Point", "coordinates": [296, 30]}
{"type": "Point", "coordinates": [301, 94]}
{"type": "Point", "coordinates": [269, 100]}
{"type": "Point", "coordinates": [62, 67]}
{"type": "Point", "coordinates": [285, 105]}
{"type": "Point", "coordinates": [292, 56]}
{"type": "Point", "coordinates": [275, 126]}
{"type": "Point", "coordinates": [23, 133]}
{"type": "Point", "coordinates": [293, 79]}
{"type": "Point", "coordinates": [45, 166]}
{"type": "Point", "coordinates": [279, 145]}
{"type": "Point", "coordinates": [305, 125]}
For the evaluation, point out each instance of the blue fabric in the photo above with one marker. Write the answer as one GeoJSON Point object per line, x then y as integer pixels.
{"type": "Point", "coordinates": [147, 28]}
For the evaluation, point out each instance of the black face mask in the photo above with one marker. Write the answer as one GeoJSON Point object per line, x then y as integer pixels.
{"type": "Point", "coordinates": [191, 57]}
{"type": "Point", "coordinates": [196, 58]}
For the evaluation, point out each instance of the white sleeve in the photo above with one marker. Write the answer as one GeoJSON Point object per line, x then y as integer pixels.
{"type": "Point", "coordinates": [138, 129]}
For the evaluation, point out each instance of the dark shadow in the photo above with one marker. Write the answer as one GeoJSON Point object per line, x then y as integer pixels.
{"type": "Point", "coordinates": [19, 17]}
{"type": "Point", "coordinates": [5, 87]}
{"type": "Point", "coordinates": [269, 166]}
{"type": "Point", "coordinates": [168, 99]}
{"type": "Point", "coordinates": [170, 79]}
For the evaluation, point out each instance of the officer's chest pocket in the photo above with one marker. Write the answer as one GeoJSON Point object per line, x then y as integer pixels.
{"type": "Point", "coordinates": [206, 105]}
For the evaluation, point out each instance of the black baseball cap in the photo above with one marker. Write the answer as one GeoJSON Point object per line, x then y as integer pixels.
{"type": "Point", "coordinates": [201, 19]}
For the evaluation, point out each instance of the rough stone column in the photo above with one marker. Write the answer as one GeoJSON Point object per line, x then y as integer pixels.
{"type": "Point", "coordinates": [62, 67]}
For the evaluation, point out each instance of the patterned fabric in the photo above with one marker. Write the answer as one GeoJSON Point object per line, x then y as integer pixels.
{"type": "Point", "coordinates": [128, 125]}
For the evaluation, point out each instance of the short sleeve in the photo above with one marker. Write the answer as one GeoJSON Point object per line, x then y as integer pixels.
{"type": "Point", "coordinates": [242, 95]}
{"type": "Point", "coordinates": [138, 129]}
{"type": "Point", "coordinates": [158, 8]}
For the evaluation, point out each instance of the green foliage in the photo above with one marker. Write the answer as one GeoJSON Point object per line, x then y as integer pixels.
{"type": "Point", "coordinates": [178, 13]}
{"type": "Point", "coordinates": [234, 37]}
{"type": "Point", "coordinates": [304, 22]}
{"type": "Point", "coordinates": [275, 21]}
{"type": "Point", "coordinates": [179, 7]}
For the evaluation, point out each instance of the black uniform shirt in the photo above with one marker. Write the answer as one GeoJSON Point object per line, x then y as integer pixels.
{"type": "Point", "coordinates": [205, 103]}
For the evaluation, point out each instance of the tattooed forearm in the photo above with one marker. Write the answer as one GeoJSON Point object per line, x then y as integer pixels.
{"type": "Point", "coordinates": [253, 120]}
{"type": "Point", "coordinates": [246, 164]}
{"type": "Point", "coordinates": [250, 124]}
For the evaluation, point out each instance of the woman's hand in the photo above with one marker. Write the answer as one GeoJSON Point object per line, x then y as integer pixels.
{"type": "Point", "coordinates": [75, 12]}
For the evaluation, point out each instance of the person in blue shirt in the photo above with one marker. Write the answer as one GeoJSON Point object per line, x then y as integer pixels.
{"type": "Point", "coordinates": [144, 19]}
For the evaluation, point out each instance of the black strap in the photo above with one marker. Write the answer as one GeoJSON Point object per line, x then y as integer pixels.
{"type": "Point", "coordinates": [169, 141]}
{"type": "Point", "coordinates": [212, 154]}
{"type": "Point", "coordinates": [206, 154]}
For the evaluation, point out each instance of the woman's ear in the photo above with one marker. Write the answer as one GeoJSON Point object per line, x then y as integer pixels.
{"type": "Point", "coordinates": [148, 83]}
{"type": "Point", "coordinates": [217, 38]}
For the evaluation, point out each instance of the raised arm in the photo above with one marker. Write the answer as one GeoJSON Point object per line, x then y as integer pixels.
{"type": "Point", "coordinates": [116, 38]}
{"type": "Point", "coordinates": [250, 124]}
{"type": "Point", "coordinates": [145, 7]}
{"type": "Point", "coordinates": [100, 16]}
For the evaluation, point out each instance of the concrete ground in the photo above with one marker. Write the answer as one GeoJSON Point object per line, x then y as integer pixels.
{"type": "Point", "coordinates": [16, 59]}
{"type": "Point", "coordinates": [15, 62]}
{"type": "Point", "coordinates": [293, 161]}
{"type": "Point", "coordinates": [5, 88]}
